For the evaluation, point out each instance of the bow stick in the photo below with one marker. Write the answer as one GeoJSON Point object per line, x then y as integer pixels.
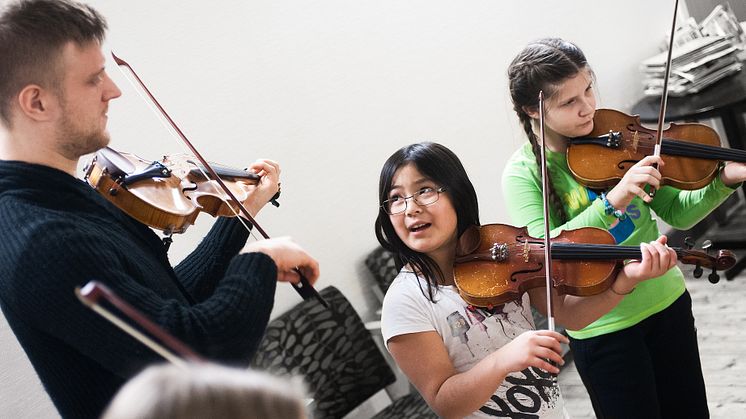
{"type": "Point", "coordinates": [545, 196]}
{"type": "Point", "coordinates": [93, 291]}
{"type": "Point", "coordinates": [664, 94]}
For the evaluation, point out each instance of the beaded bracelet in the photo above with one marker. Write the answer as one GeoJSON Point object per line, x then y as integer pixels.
{"type": "Point", "coordinates": [610, 210]}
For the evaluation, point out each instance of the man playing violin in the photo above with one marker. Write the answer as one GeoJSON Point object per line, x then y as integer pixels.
{"type": "Point", "coordinates": [58, 233]}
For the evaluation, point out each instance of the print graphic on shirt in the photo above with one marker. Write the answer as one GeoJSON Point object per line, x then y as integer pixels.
{"type": "Point", "coordinates": [526, 395]}
{"type": "Point", "coordinates": [476, 318]}
{"type": "Point", "coordinates": [633, 212]}
{"type": "Point", "coordinates": [577, 198]}
{"type": "Point", "coordinates": [459, 326]}
{"type": "Point", "coordinates": [513, 314]}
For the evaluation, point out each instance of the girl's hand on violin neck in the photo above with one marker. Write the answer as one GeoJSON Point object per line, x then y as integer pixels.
{"type": "Point", "coordinates": [733, 173]}
{"type": "Point", "coordinates": [657, 259]}
{"type": "Point", "coordinates": [267, 187]}
{"type": "Point", "coordinates": [534, 348]}
{"type": "Point", "coordinates": [634, 182]}
{"type": "Point", "coordinates": [288, 256]}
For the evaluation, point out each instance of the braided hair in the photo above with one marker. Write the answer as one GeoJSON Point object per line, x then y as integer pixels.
{"type": "Point", "coordinates": [542, 65]}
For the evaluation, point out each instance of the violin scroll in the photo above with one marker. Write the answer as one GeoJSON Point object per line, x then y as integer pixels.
{"type": "Point", "coordinates": [724, 260]}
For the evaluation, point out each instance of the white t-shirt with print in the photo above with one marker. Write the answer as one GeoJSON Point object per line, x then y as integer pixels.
{"type": "Point", "coordinates": [469, 335]}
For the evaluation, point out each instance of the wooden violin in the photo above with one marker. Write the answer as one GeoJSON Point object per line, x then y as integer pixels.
{"type": "Point", "coordinates": [497, 263]}
{"type": "Point", "coordinates": [692, 152]}
{"type": "Point", "coordinates": [167, 194]}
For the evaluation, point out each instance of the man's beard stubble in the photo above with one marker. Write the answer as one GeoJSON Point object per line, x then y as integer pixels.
{"type": "Point", "coordinates": [74, 142]}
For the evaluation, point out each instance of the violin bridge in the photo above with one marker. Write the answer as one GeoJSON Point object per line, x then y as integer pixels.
{"type": "Point", "coordinates": [635, 141]}
{"type": "Point", "coordinates": [526, 250]}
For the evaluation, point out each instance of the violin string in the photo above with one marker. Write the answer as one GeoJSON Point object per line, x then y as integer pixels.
{"type": "Point", "coordinates": [591, 251]}
{"type": "Point", "coordinates": [682, 148]}
{"type": "Point", "coordinates": [138, 89]}
{"type": "Point", "coordinates": [581, 251]}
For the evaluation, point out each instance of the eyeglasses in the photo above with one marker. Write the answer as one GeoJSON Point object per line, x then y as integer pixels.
{"type": "Point", "coordinates": [425, 196]}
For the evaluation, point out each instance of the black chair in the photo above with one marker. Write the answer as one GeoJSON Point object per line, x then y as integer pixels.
{"type": "Point", "coordinates": [380, 263]}
{"type": "Point", "coordinates": [336, 356]}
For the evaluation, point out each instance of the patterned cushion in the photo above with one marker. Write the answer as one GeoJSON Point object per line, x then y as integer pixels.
{"type": "Point", "coordinates": [411, 406]}
{"type": "Point", "coordinates": [380, 263]}
{"type": "Point", "coordinates": [331, 349]}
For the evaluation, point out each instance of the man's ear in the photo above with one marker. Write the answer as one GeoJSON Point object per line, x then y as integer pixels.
{"type": "Point", "coordinates": [36, 102]}
{"type": "Point", "coordinates": [531, 111]}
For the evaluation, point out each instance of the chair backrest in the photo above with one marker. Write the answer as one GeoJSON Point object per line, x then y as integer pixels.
{"type": "Point", "coordinates": [331, 349]}
{"type": "Point", "coordinates": [380, 263]}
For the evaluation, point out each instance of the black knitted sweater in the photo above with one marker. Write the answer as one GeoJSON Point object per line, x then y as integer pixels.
{"type": "Point", "coordinates": [57, 233]}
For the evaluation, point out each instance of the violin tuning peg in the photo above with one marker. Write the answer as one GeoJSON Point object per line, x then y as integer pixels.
{"type": "Point", "coordinates": [706, 245]}
{"type": "Point", "coordinates": [713, 277]}
{"type": "Point", "coordinates": [697, 271]}
{"type": "Point", "coordinates": [689, 243]}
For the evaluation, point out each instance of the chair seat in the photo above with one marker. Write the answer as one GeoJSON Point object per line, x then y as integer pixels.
{"type": "Point", "coordinates": [331, 349]}
{"type": "Point", "coordinates": [411, 406]}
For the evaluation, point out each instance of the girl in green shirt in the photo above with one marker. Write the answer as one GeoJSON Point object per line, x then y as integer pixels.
{"type": "Point", "coordinates": [641, 358]}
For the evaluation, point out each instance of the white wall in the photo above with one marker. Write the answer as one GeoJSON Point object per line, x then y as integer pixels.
{"type": "Point", "coordinates": [330, 88]}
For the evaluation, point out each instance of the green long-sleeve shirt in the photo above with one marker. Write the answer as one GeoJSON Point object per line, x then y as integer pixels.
{"type": "Point", "coordinates": [680, 209]}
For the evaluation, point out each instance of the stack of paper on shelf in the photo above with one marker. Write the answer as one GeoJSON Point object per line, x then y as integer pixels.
{"type": "Point", "coordinates": [695, 65]}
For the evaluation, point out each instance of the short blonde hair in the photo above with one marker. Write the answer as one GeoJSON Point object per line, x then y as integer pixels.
{"type": "Point", "coordinates": [207, 391]}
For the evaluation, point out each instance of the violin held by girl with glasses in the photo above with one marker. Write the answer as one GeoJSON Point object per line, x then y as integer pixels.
{"type": "Point", "coordinates": [692, 151]}
{"type": "Point", "coordinates": [497, 263]}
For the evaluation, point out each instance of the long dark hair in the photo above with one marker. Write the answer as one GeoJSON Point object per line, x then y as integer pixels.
{"type": "Point", "coordinates": [442, 166]}
{"type": "Point", "coordinates": [542, 65]}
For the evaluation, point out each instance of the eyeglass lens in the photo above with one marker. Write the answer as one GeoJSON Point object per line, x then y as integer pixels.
{"type": "Point", "coordinates": [423, 197]}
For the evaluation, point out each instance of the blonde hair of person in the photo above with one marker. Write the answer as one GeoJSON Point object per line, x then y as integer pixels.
{"type": "Point", "coordinates": [207, 391]}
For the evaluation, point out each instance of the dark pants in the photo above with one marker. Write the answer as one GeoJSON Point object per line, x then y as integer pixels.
{"type": "Point", "coordinates": [650, 370]}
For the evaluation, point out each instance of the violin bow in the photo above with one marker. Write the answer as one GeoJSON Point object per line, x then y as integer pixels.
{"type": "Point", "coordinates": [545, 196]}
{"type": "Point", "coordinates": [664, 94]}
{"type": "Point", "coordinates": [304, 287]}
{"type": "Point", "coordinates": [90, 295]}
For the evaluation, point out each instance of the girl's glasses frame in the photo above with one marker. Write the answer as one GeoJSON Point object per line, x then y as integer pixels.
{"type": "Point", "coordinates": [423, 197]}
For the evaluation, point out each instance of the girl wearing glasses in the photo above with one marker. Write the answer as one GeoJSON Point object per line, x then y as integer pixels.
{"type": "Point", "coordinates": [628, 357]}
{"type": "Point", "coordinates": [466, 361]}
